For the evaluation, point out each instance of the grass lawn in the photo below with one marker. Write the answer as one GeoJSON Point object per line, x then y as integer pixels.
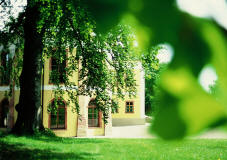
{"type": "Point", "coordinates": [12, 147]}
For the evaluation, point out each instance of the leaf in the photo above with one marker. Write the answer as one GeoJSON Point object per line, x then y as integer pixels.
{"type": "Point", "coordinates": [192, 109]}
{"type": "Point", "coordinates": [107, 13]}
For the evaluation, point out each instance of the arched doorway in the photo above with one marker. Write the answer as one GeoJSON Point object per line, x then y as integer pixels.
{"type": "Point", "coordinates": [4, 110]}
{"type": "Point", "coordinates": [94, 116]}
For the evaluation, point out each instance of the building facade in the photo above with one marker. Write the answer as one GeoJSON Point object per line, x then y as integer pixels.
{"type": "Point", "coordinates": [65, 122]}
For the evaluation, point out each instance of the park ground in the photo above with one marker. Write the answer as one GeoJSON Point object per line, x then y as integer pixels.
{"type": "Point", "coordinates": [210, 145]}
{"type": "Point", "coordinates": [16, 148]}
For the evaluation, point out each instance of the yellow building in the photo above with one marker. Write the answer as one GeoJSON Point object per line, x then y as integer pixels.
{"type": "Point", "coordinates": [67, 123]}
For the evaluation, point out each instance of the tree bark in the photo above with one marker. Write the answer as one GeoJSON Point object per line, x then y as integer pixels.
{"type": "Point", "coordinates": [29, 107]}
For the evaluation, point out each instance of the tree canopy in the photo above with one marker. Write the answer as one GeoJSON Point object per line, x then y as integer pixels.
{"type": "Point", "coordinates": [54, 29]}
{"type": "Point", "coordinates": [185, 107]}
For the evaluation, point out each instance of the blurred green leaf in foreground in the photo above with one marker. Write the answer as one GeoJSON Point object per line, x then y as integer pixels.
{"type": "Point", "coordinates": [184, 107]}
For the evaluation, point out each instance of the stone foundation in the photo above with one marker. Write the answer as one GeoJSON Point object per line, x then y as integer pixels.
{"type": "Point", "coordinates": [128, 121]}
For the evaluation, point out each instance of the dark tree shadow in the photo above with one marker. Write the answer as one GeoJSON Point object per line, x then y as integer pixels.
{"type": "Point", "coordinates": [19, 152]}
{"type": "Point", "coordinates": [69, 140]}
{"type": "Point", "coordinates": [50, 139]}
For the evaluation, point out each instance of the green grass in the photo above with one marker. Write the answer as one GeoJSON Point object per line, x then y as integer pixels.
{"type": "Point", "coordinates": [12, 147]}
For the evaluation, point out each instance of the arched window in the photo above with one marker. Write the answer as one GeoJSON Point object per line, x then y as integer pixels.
{"type": "Point", "coordinates": [58, 118]}
{"type": "Point", "coordinates": [94, 116]}
{"type": "Point", "coordinates": [5, 69]}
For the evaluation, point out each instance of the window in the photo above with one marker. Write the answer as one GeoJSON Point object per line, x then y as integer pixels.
{"type": "Point", "coordinates": [57, 70]}
{"type": "Point", "coordinates": [58, 118]}
{"type": "Point", "coordinates": [5, 69]}
{"type": "Point", "coordinates": [129, 107]}
{"type": "Point", "coordinates": [93, 115]}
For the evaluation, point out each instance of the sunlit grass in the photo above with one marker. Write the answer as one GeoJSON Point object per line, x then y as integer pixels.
{"type": "Point", "coordinates": [12, 147]}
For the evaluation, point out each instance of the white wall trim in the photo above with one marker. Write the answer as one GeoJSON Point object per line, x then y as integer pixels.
{"type": "Point", "coordinates": [52, 87]}
{"type": "Point", "coordinates": [4, 88]}
{"type": "Point", "coordinates": [46, 87]}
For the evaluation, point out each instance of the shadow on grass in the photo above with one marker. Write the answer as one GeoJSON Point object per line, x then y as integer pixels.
{"type": "Point", "coordinates": [3, 133]}
{"type": "Point", "coordinates": [70, 140]}
{"type": "Point", "coordinates": [55, 139]}
{"type": "Point", "coordinates": [17, 152]}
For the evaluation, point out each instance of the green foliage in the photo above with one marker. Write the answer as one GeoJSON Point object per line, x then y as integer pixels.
{"type": "Point", "coordinates": [12, 34]}
{"type": "Point", "coordinates": [151, 67]}
{"type": "Point", "coordinates": [46, 132]}
{"type": "Point", "coordinates": [107, 13]}
{"type": "Point", "coordinates": [185, 108]}
{"type": "Point", "coordinates": [103, 62]}
{"type": "Point", "coordinates": [214, 88]}
{"type": "Point", "coordinates": [107, 69]}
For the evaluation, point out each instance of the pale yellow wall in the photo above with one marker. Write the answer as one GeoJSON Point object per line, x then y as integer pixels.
{"type": "Point", "coordinates": [16, 101]}
{"type": "Point", "coordinates": [2, 95]}
{"type": "Point", "coordinates": [136, 100]}
{"type": "Point", "coordinates": [48, 96]}
{"type": "Point", "coordinates": [46, 71]}
{"type": "Point", "coordinates": [122, 114]}
{"type": "Point", "coordinates": [97, 131]}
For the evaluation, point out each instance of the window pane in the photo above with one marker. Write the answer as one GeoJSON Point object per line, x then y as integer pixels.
{"type": "Point", "coordinates": [129, 107]}
{"type": "Point", "coordinates": [61, 118]}
{"type": "Point", "coordinates": [57, 69]}
{"type": "Point", "coordinates": [61, 111]}
{"type": "Point", "coordinates": [89, 110]}
{"type": "Point", "coordinates": [90, 122]}
{"type": "Point", "coordinates": [96, 123]}
{"type": "Point", "coordinates": [90, 116]}
{"type": "Point", "coordinates": [53, 121]}
{"type": "Point", "coordinates": [61, 70]}
{"type": "Point", "coordinates": [93, 117]}
{"type": "Point", "coordinates": [96, 114]}
{"type": "Point", "coordinates": [61, 78]}
{"type": "Point", "coordinates": [54, 64]}
{"type": "Point", "coordinates": [58, 120]}
{"type": "Point", "coordinates": [53, 126]}
{"type": "Point", "coordinates": [62, 66]}
{"type": "Point", "coordinates": [61, 122]}
{"type": "Point", "coordinates": [61, 126]}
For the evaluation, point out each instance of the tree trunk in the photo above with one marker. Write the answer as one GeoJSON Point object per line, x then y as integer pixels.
{"type": "Point", "coordinates": [29, 107]}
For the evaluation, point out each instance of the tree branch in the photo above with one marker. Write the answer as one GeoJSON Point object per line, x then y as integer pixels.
{"type": "Point", "coordinates": [14, 26]}
{"type": "Point", "coordinates": [3, 1]}
{"type": "Point", "coordinates": [77, 31]}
